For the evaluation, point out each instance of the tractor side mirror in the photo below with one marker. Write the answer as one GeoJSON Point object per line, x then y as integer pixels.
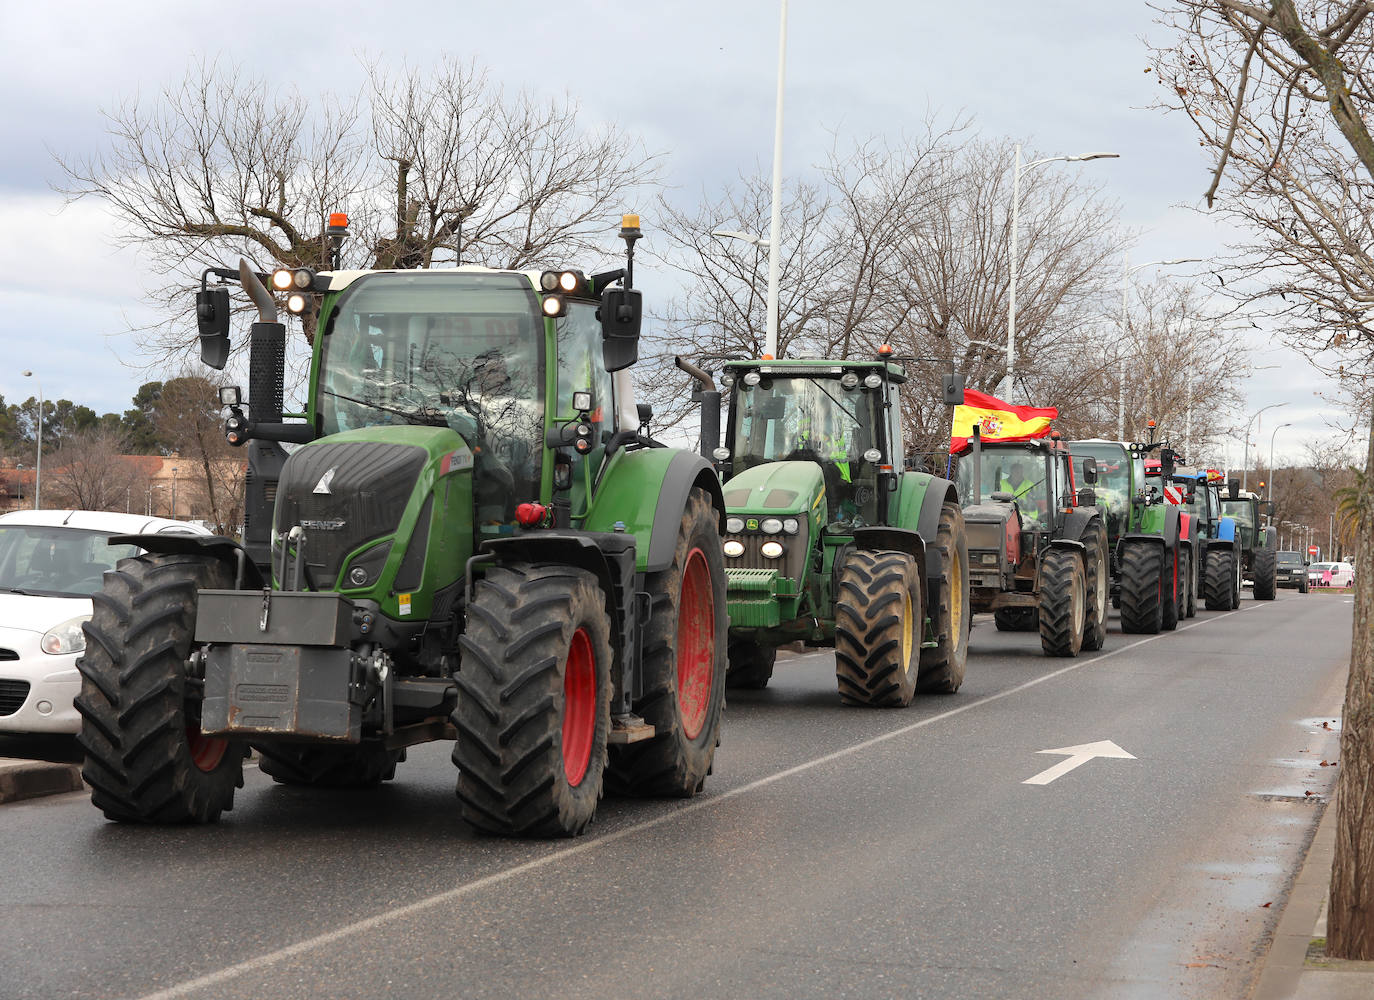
{"type": "Point", "coordinates": [1087, 497]}
{"type": "Point", "coordinates": [1090, 470]}
{"type": "Point", "coordinates": [1269, 507]}
{"type": "Point", "coordinates": [1232, 489]}
{"type": "Point", "coordinates": [622, 310]}
{"type": "Point", "coordinates": [212, 317]}
{"type": "Point", "coordinates": [1167, 460]}
{"type": "Point", "coordinates": [952, 384]}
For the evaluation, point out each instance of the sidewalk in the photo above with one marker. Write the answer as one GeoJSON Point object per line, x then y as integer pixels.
{"type": "Point", "coordinates": [28, 779]}
{"type": "Point", "coordinates": [1296, 968]}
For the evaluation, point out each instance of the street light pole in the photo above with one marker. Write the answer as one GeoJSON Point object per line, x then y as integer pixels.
{"type": "Point", "coordinates": [1245, 459]}
{"type": "Point", "coordinates": [38, 468]}
{"type": "Point", "coordinates": [1017, 171]}
{"type": "Point", "coordinates": [1280, 427]}
{"type": "Point", "coordinates": [770, 349]}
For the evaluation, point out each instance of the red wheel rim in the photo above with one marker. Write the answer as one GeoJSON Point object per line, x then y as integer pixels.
{"type": "Point", "coordinates": [579, 707]}
{"type": "Point", "coordinates": [696, 644]}
{"type": "Point", "coordinates": [206, 751]}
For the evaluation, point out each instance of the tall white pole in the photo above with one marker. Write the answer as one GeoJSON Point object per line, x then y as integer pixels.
{"type": "Point", "coordinates": [1011, 307]}
{"type": "Point", "coordinates": [770, 348]}
{"type": "Point", "coordinates": [38, 466]}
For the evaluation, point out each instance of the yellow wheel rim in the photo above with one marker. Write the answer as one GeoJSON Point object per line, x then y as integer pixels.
{"type": "Point", "coordinates": [907, 632]}
{"type": "Point", "coordinates": [956, 597]}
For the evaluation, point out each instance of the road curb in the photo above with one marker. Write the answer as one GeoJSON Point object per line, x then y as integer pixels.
{"type": "Point", "coordinates": [1288, 954]}
{"type": "Point", "coordinates": [31, 779]}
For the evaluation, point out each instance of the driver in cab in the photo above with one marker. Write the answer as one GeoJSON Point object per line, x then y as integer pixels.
{"type": "Point", "coordinates": [1019, 486]}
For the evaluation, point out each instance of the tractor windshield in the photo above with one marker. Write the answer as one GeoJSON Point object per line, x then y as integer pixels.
{"type": "Point", "coordinates": [816, 420]}
{"type": "Point", "coordinates": [1113, 486]}
{"type": "Point", "coordinates": [1243, 510]}
{"type": "Point", "coordinates": [1020, 470]}
{"type": "Point", "coordinates": [450, 349]}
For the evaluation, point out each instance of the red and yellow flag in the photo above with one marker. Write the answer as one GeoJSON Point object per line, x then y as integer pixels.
{"type": "Point", "coordinates": [999, 421]}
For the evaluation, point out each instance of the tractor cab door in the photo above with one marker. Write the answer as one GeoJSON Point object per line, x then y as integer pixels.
{"type": "Point", "coordinates": [581, 366]}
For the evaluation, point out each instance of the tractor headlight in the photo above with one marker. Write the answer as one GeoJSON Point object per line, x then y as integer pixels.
{"type": "Point", "coordinates": [771, 550]}
{"type": "Point", "coordinates": [771, 526]}
{"type": "Point", "coordinates": [733, 549]}
{"type": "Point", "coordinates": [791, 525]}
{"type": "Point", "coordinates": [988, 558]}
{"type": "Point", "coordinates": [720, 454]}
{"type": "Point", "coordinates": [873, 380]}
{"type": "Point", "coordinates": [296, 303]}
{"type": "Point", "coordinates": [282, 279]}
{"type": "Point", "coordinates": [65, 638]}
{"type": "Point", "coordinates": [553, 305]}
{"type": "Point", "coordinates": [727, 379]}
{"type": "Point", "coordinates": [872, 456]}
{"type": "Point", "coordinates": [548, 281]}
{"type": "Point", "coordinates": [734, 525]}
{"type": "Point", "coordinates": [849, 380]}
{"type": "Point", "coordinates": [752, 379]}
{"type": "Point", "coordinates": [569, 280]}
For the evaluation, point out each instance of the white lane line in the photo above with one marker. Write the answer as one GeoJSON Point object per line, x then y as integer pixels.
{"type": "Point", "coordinates": [584, 846]}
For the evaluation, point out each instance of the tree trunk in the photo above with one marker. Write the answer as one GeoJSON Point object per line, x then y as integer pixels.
{"type": "Point", "coordinates": [1350, 922]}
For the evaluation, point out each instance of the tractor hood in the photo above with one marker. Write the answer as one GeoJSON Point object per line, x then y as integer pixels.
{"type": "Point", "coordinates": [778, 489]}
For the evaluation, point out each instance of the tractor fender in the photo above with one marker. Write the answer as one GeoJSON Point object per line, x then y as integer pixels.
{"type": "Point", "coordinates": [880, 537]}
{"type": "Point", "coordinates": [580, 549]}
{"type": "Point", "coordinates": [1152, 539]}
{"type": "Point", "coordinates": [225, 550]}
{"type": "Point", "coordinates": [1068, 543]}
{"type": "Point", "coordinates": [920, 499]}
{"type": "Point", "coordinates": [1226, 530]}
{"type": "Point", "coordinates": [1078, 520]}
{"type": "Point", "coordinates": [645, 492]}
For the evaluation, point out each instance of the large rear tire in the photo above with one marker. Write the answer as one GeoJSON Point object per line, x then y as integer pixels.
{"type": "Point", "coordinates": [878, 625]}
{"type": "Point", "coordinates": [1097, 584]}
{"type": "Point", "coordinates": [1063, 603]}
{"type": "Point", "coordinates": [534, 705]}
{"type": "Point", "coordinates": [1171, 590]}
{"type": "Point", "coordinates": [751, 665]}
{"type": "Point", "coordinates": [1266, 574]}
{"type": "Point", "coordinates": [364, 766]}
{"type": "Point", "coordinates": [1219, 590]}
{"type": "Point", "coordinates": [1142, 587]}
{"type": "Point", "coordinates": [684, 666]}
{"type": "Point", "coordinates": [942, 667]}
{"type": "Point", "coordinates": [146, 760]}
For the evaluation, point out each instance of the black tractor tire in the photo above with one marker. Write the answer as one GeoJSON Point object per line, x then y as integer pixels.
{"type": "Point", "coordinates": [751, 665]}
{"type": "Point", "coordinates": [1063, 602]}
{"type": "Point", "coordinates": [1190, 601]}
{"type": "Point", "coordinates": [942, 667]}
{"type": "Point", "coordinates": [684, 666]}
{"type": "Point", "coordinates": [1097, 583]}
{"type": "Point", "coordinates": [1017, 619]}
{"type": "Point", "coordinates": [1171, 590]}
{"type": "Point", "coordinates": [1142, 588]}
{"type": "Point", "coordinates": [879, 622]}
{"type": "Point", "coordinates": [1266, 574]}
{"type": "Point", "coordinates": [534, 701]}
{"type": "Point", "coordinates": [363, 766]}
{"type": "Point", "coordinates": [146, 760]}
{"type": "Point", "coordinates": [1219, 587]}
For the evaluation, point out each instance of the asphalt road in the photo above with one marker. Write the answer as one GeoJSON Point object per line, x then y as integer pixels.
{"type": "Point", "coordinates": [836, 853]}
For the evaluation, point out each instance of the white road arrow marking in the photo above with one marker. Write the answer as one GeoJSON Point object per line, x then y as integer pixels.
{"type": "Point", "coordinates": [1077, 756]}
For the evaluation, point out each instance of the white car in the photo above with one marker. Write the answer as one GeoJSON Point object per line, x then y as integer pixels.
{"type": "Point", "coordinates": [1342, 574]}
{"type": "Point", "coordinates": [51, 561]}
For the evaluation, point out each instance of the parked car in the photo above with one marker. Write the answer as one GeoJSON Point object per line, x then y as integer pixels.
{"type": "Point", "coordinates": [1330, 574]}
{"type": "Point", "coordinates": [51, 561]}
{"type": "Point", "coordinates": [1291, 571]}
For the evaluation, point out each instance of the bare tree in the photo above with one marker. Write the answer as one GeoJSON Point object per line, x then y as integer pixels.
{"type": "Point", "coordinates": [187, 415]}
{"type": "Point", "coordinates": [1280, 96]}
{"type": "Point", "coordinates": [437, 162]}
{"type": "Point", "coordinates": [90, 472]}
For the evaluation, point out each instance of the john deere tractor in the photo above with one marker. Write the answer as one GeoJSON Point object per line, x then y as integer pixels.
{"type": "Point", "coordinates": [1151, 551]}
{"type": "Point", "coordinates": [829, 541]}
{"type": "Point", "coordinates": [1259, 544]}
{"type": "Point", "coordinates": [475, 539]}
{"type": "Point", "coordinates": [1037, 545]}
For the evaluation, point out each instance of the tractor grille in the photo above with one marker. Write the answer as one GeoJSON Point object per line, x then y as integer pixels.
{"type": "Point", "coordinates": [789, 567]}
{"type": "Point", "coordinates": [368, 491]}
{"type": "Point", "coordinates": [12, 695]}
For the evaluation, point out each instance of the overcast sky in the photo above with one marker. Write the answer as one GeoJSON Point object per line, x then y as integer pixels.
{"type": "Point", "coordinates": [695, 79]}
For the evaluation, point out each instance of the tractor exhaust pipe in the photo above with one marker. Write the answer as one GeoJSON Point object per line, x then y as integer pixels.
{"type": "Point", "coordinates": [709, 397]}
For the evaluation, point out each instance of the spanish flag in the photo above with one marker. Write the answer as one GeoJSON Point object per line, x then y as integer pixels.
{"type": "Point", "coordinates": [999, 421]}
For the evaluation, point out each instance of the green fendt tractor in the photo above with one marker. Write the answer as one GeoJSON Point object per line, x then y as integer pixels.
{"type": "Point", "coordinates": [1152, 559]}
{"type": "Point", "coordinates": [828, 540]}
{"type": "Point", "coordinates": [1037, 545]}
{"type": "Point", "coordinates": [1259, 544]}
{"type": "Point", "coordinates": [475, 540]}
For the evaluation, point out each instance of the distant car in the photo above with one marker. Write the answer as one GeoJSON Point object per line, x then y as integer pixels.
{"type": "Point", "coordinates": [1330, 574]}
{"type": "Point", "coordinates": [51, 561]}
{"type": "Point", "coordinates": [1292, 571]}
